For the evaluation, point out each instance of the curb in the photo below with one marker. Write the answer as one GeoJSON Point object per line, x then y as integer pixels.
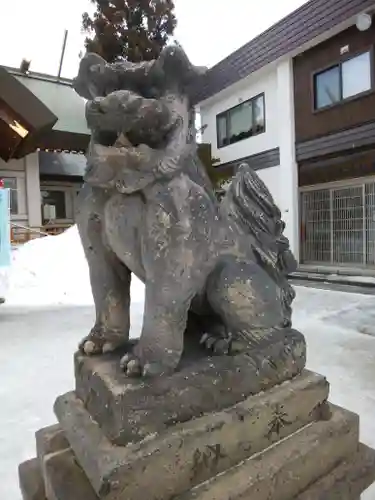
{"type": "Point", "coordinates": [331, 280]}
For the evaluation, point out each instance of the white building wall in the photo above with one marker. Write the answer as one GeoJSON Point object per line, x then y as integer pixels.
{"type": "Point", "coordinates": [282, 181]}
{"type": "Point", "coordinates": [16, 169]}
{"type": "Point", "coordinates": [270, 177]}
{"type": "Point", "coordinates": [288, 174]}
{"type": "Point", "coordinates": [33, 190]}
{"type": "Point", "coordinates": [27, 176]}
{"type": "Point", "coordinates": [26, 173]}
{"type": "Point", "coordinates": [250, 87]}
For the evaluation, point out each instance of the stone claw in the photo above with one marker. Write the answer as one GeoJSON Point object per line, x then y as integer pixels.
{"type": "Point", "coordinates": [89, 347]}
{"type": "Point", "coordinates": [153, 370]}
{"type": "Point", "coordinates": [102, 342]}
{"type": "Point", "coordinates": [218, 345]}
{"type": "Point", "coordinates": [133, 367]}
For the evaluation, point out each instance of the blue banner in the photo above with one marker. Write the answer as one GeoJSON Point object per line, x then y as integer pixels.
{"type": "Point", "coordinates": [5, 246]}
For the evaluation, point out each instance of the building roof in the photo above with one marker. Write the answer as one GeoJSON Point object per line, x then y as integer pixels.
{"type": "Point", "coordinates": [61, 99]}
{"type": "Point", "coordinates": [35, 114]}
{"type": "Point", "coordinates": [62, 164]}
{"type": "Point", "coordinates": [32, 94]}
{"type": "Point", "coordinates": [22, 116]}
{"type": "Point", "coordinates": [303, 25]}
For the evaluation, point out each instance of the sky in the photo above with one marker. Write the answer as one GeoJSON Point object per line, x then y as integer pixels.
{"type": "Point", "coordinates": [209, 30]}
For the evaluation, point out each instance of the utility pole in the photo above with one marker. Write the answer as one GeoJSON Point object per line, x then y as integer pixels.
{"type": "Point", "coordinates": [62, 53]}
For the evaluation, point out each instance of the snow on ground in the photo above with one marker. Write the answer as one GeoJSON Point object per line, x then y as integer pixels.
{"type": "Point", "coordinates": [53, 271]}
{"type": "Point", "coordinates": [50, 309]}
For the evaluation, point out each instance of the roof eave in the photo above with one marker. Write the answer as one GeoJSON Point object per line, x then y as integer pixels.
{"type": "Point", "coordinates": [288, 36]}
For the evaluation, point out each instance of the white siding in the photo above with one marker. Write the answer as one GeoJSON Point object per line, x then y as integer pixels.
{"type": "Point", "coordinates": [252, 87]}
{"type": "Point", "coordinates": [271, 178]}
{"type": "Point", "coordinates": [288, 175]}
{"type": "Point", "coordinates": [26, 171]}
{"type": "Point", "coordinates": [15, 169]}
{"type": "Point", "coordinates": [33, 190]}
{"type": "Point", "coordinates": [276, 82]}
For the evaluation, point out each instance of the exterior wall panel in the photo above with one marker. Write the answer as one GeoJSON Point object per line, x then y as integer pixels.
{"type": "Point", "coordinates": [253, 145]}
{"type": "Point", "coordinates": [311, 124]}
{"type": "Point", "coordinates": [311, 20]}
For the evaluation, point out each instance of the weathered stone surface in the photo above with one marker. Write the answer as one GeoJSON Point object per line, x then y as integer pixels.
{"type": "Point", "coordinates": [65, 480]}
{"type": "Point", "coordinates": [31, 480]}
{"type": "Point", "coordinates": [49, 440]}
{"type": "Point", "coordinates": [287, 468]}
{"type": "Point", "coordinates": [347, 481]}
{"type": "Point", "coordinates": [172, 462]}
{"type": "Point", "coordinates": [149, 208]}
{"type": "Point", "coordinates": [128, 410]}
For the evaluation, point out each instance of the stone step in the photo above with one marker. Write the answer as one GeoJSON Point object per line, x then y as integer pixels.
{"type": "Point", "coordinates": [54, 474]}
{"type": "Point", "coordinates": [172, 462]}
{"type": "Point", "coordinates": [65, 480]}
{"type": "Point", "coordinates": [49, 440]}
{"type": "Point", "coordinates": [31, 480]}
{"type": "Point", "coordinates": [289, 467]}
{"type": "Point", "coordinates": [128, 410]}
{"type": "Point", "coordinates": [347, 481]}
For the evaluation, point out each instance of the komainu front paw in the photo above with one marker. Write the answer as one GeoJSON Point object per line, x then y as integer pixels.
{"type": "Point", "coordinates": [146, 363]}
{"type": "Point", "coordinates": [216, 344]}
{"type": "Point", "coordinates": [134, 367]}
{"type": "Point", "coordinates": [101, 341]}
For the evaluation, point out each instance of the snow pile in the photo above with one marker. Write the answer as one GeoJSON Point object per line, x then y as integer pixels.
{"type": "Point", "coordinates": [53, 270]}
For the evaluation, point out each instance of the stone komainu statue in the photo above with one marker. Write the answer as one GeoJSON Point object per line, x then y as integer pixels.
{"type": "Point", "coordinates": [148, 208]}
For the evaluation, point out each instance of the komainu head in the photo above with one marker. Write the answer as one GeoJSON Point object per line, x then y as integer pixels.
{"type": "Point", "coordinates": [150, 79]}
{"type": "Point", "coordinates": [136, 100]}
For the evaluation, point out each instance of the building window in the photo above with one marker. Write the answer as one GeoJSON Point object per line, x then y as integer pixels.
{"type": "Point", "coordinates": [53, 205]}
{"type": "Point", "coordinates": [245, 120]}
{"type": "Point", "coordinates": [347, 79]}
{"type": "Point", "coordinates": [11, 184]}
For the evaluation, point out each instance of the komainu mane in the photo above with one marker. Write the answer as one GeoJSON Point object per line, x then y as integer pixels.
{"type": "Point", "coordinates": [148, 208]}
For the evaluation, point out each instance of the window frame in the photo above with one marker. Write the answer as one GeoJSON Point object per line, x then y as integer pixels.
{"type": "Point", "coordinates": [339, 63]}
{"type": "Point", "coordinates": [13, 190]}
{"type": "Point", "coordinates": [226, 115]}
{"type": "Point", "coordinates": [70, 190]}
{"type": "Point", "coordinates": [64, 199]}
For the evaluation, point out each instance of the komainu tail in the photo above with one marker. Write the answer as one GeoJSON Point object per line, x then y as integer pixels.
{"type": "Point", "coordinates": [250, 207]}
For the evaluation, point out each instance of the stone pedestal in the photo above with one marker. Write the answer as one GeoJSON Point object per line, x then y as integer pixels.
{"type": "Point", "coordinates": [204, 433]}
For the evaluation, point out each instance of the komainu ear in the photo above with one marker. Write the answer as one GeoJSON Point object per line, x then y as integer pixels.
{"type": "Point", "coordinates": [176, 66]}
{"type": "Point", "coordinates": [89, 84]}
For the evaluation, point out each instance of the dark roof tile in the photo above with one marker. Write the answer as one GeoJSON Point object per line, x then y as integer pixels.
{"type": "Point", "coordinates": [301, 26]}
